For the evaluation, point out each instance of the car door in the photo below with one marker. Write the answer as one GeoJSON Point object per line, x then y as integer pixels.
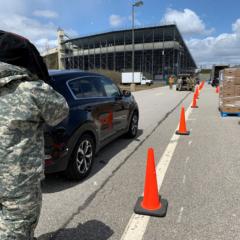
{"type": "Point", "coordinates": [119, 105]}
{"type": "Point", "coordinates": [93, 104]}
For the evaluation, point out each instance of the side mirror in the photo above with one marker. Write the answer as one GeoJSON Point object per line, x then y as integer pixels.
{"type": "Point", "coordinates": [126, 93]}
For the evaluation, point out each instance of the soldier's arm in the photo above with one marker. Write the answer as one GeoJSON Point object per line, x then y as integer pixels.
{"type": "Point", "coordinates": [52, 105]}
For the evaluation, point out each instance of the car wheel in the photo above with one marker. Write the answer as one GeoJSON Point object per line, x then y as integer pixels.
{"type": "Point", "coordinates": [82, 158]}
{"type": "Point", "coordinates": [133, 127]}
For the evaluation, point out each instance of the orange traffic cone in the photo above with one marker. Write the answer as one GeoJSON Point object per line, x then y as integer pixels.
{"type": "Point", "coordinates": [182, 126]}
{"type": "Point", "coordinates": [197, 92]}
{"type": "Point", "coordinates": [151, 203]}
{"type": "Point", "coordinates": [217, 89]}
{"type": "Point", "coordinates": [194, 103]}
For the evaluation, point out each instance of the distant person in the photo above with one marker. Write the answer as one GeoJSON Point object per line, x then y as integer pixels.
{"type": "Point", "coordinates": [192, 82]}
{"type": "Point", "coordinates": [27, 102]}
{"type": "Point", "coordinates": [197, 81]}
{"type": "Point", "coordinates": [171, 81]}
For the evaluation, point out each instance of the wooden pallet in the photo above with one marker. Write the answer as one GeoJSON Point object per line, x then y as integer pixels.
{"type": "Point", "coordinates": [227, 114]}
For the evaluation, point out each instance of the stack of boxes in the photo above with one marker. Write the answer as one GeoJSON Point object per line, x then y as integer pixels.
{"type": "Point", "coordinates": [229, 101]}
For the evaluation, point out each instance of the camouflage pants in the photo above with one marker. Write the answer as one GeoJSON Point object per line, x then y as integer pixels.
{"type": "Point", "coordinates": [19, 215]}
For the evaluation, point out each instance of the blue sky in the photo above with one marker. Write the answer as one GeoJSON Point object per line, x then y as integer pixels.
{"type": "Point", "coordinates": [211, 30]}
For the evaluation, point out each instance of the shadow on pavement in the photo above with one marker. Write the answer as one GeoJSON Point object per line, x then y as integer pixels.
{"type": "Point", "coordinates": [90, 230]}
{"type": "Point", "coordinates": [58, 182]}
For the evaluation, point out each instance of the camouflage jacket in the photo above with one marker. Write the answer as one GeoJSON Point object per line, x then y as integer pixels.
{"type": "Point", "coordinates": [26, 103]}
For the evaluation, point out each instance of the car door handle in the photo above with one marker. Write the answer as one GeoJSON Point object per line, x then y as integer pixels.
{"type": "Point", "coordinates": [88, 108]}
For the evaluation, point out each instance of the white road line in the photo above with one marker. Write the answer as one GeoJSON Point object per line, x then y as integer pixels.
{"type": "Point", "coordinates": [192, 119]}
{"type": "Point", "coordinates": [189, 143]}
{"type": "Point", "coordinates": [137, 224]}
{"type": "Point", "coordinates": [184, 179]}
{"type": "Point", "coordinates": [180, 215]}
{"type": "Point", "coordinates": [159, 94]}
{"type": "Point", "coordinates": [187, 159]}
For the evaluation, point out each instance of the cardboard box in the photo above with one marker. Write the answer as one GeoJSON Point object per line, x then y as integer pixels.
{"type": "Point", "coordinates": [230, 109]}
{"type": "Point", "coordinates": [227, 79]}
{"type": "Point", "coordinates": [232, 72]}
{"type": "Point", "coordinates": [231, 79]}
{"type": "Point", "coordinates": [237, 90]}
{"type": "Point", "coordinates": [234, 98]}
{"type": "Point", "coordinates": [237, 80]}
{"type": "Point", "coordinates": [228, 85]}
{"type": "Point", "coordinates": [228, 90]}
{"type": "Point", "coordinates": [229, 103]}
{"type": "Point", "coordinates": [227, 94]}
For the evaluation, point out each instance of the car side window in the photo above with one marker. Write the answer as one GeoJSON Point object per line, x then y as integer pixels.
{"type": "Point", "coordinates": [110, 88]}
{"type": "Point", "coordinates": [86, 87]}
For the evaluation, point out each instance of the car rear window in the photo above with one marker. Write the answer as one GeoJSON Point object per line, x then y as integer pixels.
{"type": "Point", "coordinates": [86, 87]}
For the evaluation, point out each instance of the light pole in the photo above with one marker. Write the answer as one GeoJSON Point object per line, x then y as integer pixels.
{"type": "Point", "coordinates": [135, 4]}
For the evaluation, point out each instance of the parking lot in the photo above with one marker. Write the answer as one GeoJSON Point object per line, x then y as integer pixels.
{"type": "Point", "coordinates": [200, 179]}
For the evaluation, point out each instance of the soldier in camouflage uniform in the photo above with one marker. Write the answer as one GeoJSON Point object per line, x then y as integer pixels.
{"type": "Point", "coordinates": [26, 104]}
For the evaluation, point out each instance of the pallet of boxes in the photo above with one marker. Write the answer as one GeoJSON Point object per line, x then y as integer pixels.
{"type": "Point", "coordinates": [229, 97]}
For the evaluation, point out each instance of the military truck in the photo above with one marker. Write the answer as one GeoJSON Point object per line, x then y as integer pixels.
{"type": "Point", "coordinates": [215, 74]}
{"type": "Point", "coordinates": [185, 82]}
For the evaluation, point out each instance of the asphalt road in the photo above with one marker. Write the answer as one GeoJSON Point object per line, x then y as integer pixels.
{"type": "Point", "coordinates": [201, 182]}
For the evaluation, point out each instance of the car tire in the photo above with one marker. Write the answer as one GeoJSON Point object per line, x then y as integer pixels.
{"type": "Point", "coordinates": [133, 127]}
{"type": "Point", "coordinates": [82, 158]}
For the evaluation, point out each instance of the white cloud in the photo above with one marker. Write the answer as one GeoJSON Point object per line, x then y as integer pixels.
{"type": "Point", "coordinates": [119, 21]}
{"type": "Point", "coordinates": [224, 48]}
{"type": "Point", "coordinates": [45, 44]}
{"type": "Point", "coordinates": [236, 26]}
{"type": "Point", "coordinates": [14, 17]}
{"type": "Point", "coordinates": [116, 20]}
{"type": "Point", "coordinates": [187, 21]}
{"type": "Point", "coordinates": [29, 28]}
{"type": "Point", "coordinates": [45, 13]}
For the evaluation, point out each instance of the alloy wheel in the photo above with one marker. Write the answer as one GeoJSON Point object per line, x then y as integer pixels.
{"type": "Point", "coordinates": [84, 156]}
{"type": "Point", "coordinates": [134, 124]}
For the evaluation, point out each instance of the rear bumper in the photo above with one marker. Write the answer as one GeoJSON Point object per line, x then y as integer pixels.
{"type": "Point", "coordinates": [53, 165]}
